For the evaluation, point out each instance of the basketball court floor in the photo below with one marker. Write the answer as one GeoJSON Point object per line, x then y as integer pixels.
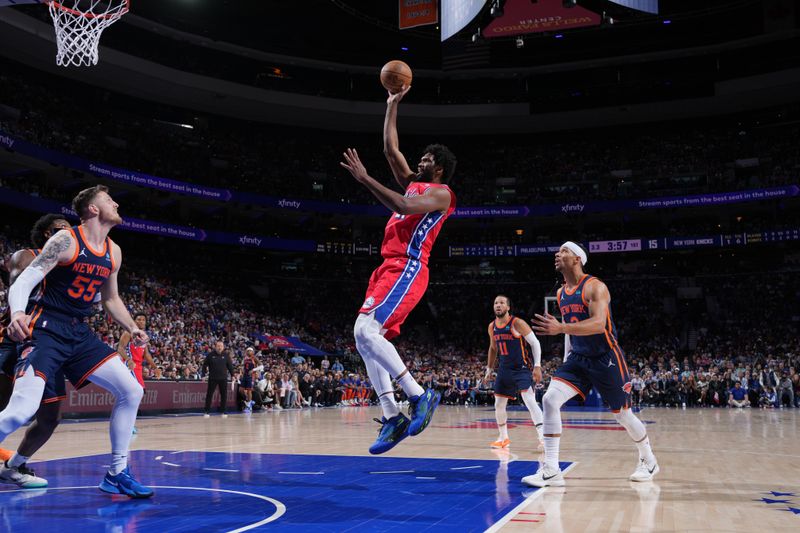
{"type": "Point", "coordinates": [721, 470]}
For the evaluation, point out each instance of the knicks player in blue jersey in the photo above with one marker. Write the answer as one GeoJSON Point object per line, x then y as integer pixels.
{"type": "Point", "coordinates": [592, 358]}
{"type": "Point", "coordinates": [13, 468]}
{"type": "Point", "coordinates": [76, 265]}
{"type": "Point", "coordinates": [512, 341]}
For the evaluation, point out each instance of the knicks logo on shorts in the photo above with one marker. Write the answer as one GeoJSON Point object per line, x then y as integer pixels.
{"type": "Point", "coordinates": [627, 387]}
{"type": "Point", "coordinates": [369, 302]}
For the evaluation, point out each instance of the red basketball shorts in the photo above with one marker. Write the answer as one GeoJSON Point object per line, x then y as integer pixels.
{"type": "Point", "coordinates": [394, 290]}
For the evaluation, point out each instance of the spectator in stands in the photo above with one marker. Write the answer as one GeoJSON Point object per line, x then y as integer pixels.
{"type": "Point", "coordinates": [768, 398]}
{"type": "Point", "coordinates": [267, 388]}
{"type": "Point", "coordinates": [298, 400]}
{"type": "Point", "coordinates": [307, 390]}
{"type": "Point", "coordinates": [737, 397]}
{"type": "Point", "coordinates": [637, 387]}
{"type": "Point", "coordinates": [288, 394]}
{"type": "Point", "coordinates": [786, 390]}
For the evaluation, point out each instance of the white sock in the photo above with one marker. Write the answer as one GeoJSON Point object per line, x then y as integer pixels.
{"type": "Point", "coordinates": [503, 431]}
{"type": "Point", "coordinates": [637, 432]}
{"type": "Point", "coordinates": [501, 416]}
{"type": "Point", "coordinates": [118, 463]}
{"type": "Point", "coordinates": [551, 445]}
{"type": "Point", "coordinates": [374, 346]}
{"type": "Point", "coordinates": [382, 383]}
{"type": "Point", "coordinates": [410, 385]}
{"type": "Point", "coordinates": [389, 406]}
{"type": "Point", "coordinates": [645, 451]}
{"type": "Point", "coordinates": [17, 460]}
{"type": "Point", "coordinates": [23, 404]}
{"type": "Point", "coordinates": [115, 377]}
{"type": "Point", "coordinates": [529, 397]}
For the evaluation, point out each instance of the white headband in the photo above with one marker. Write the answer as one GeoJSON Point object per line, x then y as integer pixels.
{"type": "Point", "coordinates": [577, 250]}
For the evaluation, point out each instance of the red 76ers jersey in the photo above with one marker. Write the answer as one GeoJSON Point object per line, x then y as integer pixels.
{"type": "Point", "coordinates": [413, 236]}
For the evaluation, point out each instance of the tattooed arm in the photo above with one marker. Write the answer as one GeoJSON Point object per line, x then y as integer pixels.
{"type": "Point", "coordinates": [60, 248]}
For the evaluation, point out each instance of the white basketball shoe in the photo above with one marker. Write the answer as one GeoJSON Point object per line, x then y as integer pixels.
{"type": "Point", "coordinates": [545, 477]}
{"type": "Point", "coordinates": [645, 471]}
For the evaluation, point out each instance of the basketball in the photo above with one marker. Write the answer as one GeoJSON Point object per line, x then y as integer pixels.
{"type": "Point", "coordinates": [394, 75]}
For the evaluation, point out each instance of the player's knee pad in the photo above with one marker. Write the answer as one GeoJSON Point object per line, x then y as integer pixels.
{"type": "Point", "coordinates": [500, 402]}
{"type": "Point", "coordinates": [529, 398]}
{"type": "Point", "coordinates": [365, 329]}
{"type": "Point", "coordinates": [631, 422]}
{"type": "Point", "coordinates": [557, 395]}
{"type": "Point", "coordinates": [115, 377]}
{"type": "Point", "coordinates": [500, 413]}
{"type": "Point", "coordinates": [23, 403]}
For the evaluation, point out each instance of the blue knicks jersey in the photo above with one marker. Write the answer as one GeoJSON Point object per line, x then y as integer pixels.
{"type": "Point", "coordinates": [512, 350]}
{"type": "Point", "coordinates": [70, 288]}
{"type": "Point", "coordinates": [574, 308]}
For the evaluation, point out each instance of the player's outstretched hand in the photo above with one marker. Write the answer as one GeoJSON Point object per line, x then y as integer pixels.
{"type": "Point", "coordinates": [354, 165]}
{"type": "Point", "coordinates": [394, 98]}
{"type": "Point", "coordinates": [139, 337]}
{"type": "Point", "coordinates": [19, 327]}
{"type": "Point", "coordinates": [537, 374]}
{"type": "Point", "coordinates": [547, 325]}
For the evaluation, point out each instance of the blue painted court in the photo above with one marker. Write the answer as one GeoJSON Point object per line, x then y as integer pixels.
{"type": "Point", "coordinates": [213, 491]}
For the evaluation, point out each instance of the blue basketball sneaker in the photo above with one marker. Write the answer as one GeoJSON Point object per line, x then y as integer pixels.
{"type": "Point", "coordinates": [391, 433]}
{"type": "Point", "coordinates": [421, 409]}
{"type": "Point", "coordinates": [124, 483]}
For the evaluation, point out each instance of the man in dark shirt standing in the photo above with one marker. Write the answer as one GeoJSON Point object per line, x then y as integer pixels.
{"type": "Point", "coordinates": [216, 368]}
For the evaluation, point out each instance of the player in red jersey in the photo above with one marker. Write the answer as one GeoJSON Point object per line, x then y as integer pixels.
{"type": "Point", "coordinates": [398, 284]}
{"type": "Point", "coordinates": [135, 354]}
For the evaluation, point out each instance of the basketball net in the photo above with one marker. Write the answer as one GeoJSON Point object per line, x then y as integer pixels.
{"type": "Point", "coordinates": [79, 24]}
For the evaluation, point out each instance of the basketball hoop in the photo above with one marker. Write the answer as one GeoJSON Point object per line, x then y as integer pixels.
{"type": "Point", "coordinates": [79, 24]}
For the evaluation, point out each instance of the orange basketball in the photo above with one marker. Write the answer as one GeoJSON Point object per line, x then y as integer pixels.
{"type": "Point", "coordinates": [394, 75]}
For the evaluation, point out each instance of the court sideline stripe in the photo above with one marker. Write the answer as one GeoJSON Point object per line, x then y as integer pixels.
{"type": "Point", "coordinates": [513, 512]}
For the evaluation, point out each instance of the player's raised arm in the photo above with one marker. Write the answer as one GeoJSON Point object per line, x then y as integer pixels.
{"type": "Point", "coordinates": [60, 248]}
{"type": "Point", "coordinates": [435, 199]}
{"type": "Point", "coordinates": [525, 330]}
{"type": "Point", "coordinates": [391, 142]}
{"type": "Point", "coordinates": [113, 304]}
